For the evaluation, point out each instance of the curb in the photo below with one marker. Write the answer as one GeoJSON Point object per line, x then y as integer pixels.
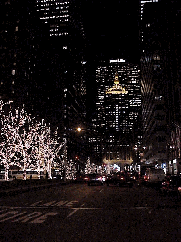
{"type": "Point", "coordinates": [14, 191]}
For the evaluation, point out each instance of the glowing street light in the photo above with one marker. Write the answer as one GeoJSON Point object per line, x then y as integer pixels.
{"type": "Point", "coordinates": [79, 129]}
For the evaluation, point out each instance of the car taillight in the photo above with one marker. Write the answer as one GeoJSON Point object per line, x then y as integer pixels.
{"type": "Point", "coordinates": [86, 178]}
{"type": "Point", "coordinates": [103, 178]}
{"type": "Point", "coordinates": [99, 178]}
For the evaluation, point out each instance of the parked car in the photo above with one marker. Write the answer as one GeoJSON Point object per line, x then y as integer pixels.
{"type": "Point", "coordinates": [171, 185]}
{"type": "Point", "coordinates": [94, 179]}
{"type": "Point", "coordinates": [154, 176]}
{"type": "Point", "coordinates": [80, 178]}
{"type": "Point", "coordinates": [119, 178]}
{"type": "Point", "coordinates": [133, 176]}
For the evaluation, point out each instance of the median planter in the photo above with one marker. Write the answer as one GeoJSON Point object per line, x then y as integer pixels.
{"type": "Point", "coordinates": [15, 186]}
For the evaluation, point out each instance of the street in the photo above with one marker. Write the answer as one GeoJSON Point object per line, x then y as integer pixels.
{"type": "Point", "coordinates": [77, 212]}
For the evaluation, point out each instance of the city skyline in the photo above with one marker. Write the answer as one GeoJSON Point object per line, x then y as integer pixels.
{"type": "Point", "coordinates": [49, 65]}
{"type": "Point", "coordinates": [90, 120]}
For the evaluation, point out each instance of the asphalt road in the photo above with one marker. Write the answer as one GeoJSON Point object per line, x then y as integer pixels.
{"type": "Point", "coordinates": [77, 212]}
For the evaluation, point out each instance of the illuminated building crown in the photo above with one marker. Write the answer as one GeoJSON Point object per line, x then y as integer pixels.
{"type": "Point", "coordinates": [116, 89]}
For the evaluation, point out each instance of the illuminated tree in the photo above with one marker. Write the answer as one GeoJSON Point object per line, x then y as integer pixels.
{"type": "Point", "coordinates": [29, 139]}
{"type": "Point", "coordinates": [88, 168]}
{"type": "Point", "coordinates": [9, 138]}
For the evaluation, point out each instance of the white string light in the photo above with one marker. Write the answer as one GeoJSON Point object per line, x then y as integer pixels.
{"type": "Point", "coordinates": [29, 139]}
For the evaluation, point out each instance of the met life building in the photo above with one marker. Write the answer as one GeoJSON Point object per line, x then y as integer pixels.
{"type": "Point", "coordinates": [118, 105]}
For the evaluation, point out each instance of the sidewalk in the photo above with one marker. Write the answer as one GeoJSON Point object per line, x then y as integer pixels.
{"type": "Point", "coordinates": [19, 186]}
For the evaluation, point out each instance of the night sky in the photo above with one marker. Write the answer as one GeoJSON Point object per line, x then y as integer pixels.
{"type": "Point", "coordinates": [112, 28]}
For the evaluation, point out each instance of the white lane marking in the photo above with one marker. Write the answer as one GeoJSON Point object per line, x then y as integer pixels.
{"type": "Point", "coordinates": [9, 218]}
{"type": "Point", "coordinates": [49, 203]}
{"type": "Point", "coordinates": [141, 208]}
{"type": "Point", "coordinates": [42, 219]}
{"type": "Point", "coordinates": [60, 203]}
{"type": "Point", "coordinates": [71, 203]}
{"type": "Point", "coordinates": [34, 204]}
{"type": "Point", "coordinates": [131, 208]}
{"type": "Point", "coordinates": [5, 214]}
{"type": "Point", "coordinates": [101, 190]}
{"type": "Point", "coordinates": [67, 206]}
{"type": "Point", "coordinates": [29, 216]}
{"type": "Point", "coordinates": [64, 203]}
{"type": "Point", "coordinates": [88, 208]}
{"type": "Point", "coordinates": [81, 208]}
{"type": "Point", "coordinates": [54, 203]}
{"type": "Point", "coordinates": [74, 211]}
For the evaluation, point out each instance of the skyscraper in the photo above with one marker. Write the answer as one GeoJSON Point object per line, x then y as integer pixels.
{"type": "Point", "coordinates": [21, 50]}
{"type": "Point", "coordinates": [56, 15]}
{"type": "Point", "coordinates": [67, 67]}
{"type": "Point", "coordinates": [118, 105]}
{"type": "Point", "coordinates": [160, 76]}
{"type": "Point", "coordinates": [142, 3]}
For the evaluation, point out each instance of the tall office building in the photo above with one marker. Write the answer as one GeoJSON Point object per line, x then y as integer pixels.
{"type": "Point", "coordinates": [23, 55]}
{"type": "Point", "coordinates": [142, 3]}
{"type": "Point", "coordinates": [118, 105]}
{"type": "Point", "coordinates": [160, 76]}
{"type": "Point", "coordinates": [55, 14]}
{"type": "Point", "coordinates": [67, 68]}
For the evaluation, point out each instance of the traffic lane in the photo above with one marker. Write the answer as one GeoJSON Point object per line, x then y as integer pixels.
{"type": "Point", "coordinates": [113, 196]}
{"type": "Point", "coordinates": [101, 213]}
{"type": "Point", "coordinates": [91, 196]}
{"type": "Point", "coordinates": [125, 225]}
{"type": "Point", "coordinates": [48, 195]}
{"type": "Point", "coordinates": [99, 225]}
{"type": "Point", "coordinates": [60, 194]}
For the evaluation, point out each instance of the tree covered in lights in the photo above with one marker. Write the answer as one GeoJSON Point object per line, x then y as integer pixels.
{"type": "Point", "coordinates": [90, 167]}
{"type": "Point", "coordinates": [70, 170]}
{"type": "Point", "coordinates": [25, 142]}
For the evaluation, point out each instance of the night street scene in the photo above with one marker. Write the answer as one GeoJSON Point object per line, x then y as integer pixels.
{"type": "Point", "coordinates": [90, 120]}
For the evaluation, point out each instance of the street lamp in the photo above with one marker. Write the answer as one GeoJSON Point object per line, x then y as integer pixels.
{"type": "Point", "coordinates": [79, 129]}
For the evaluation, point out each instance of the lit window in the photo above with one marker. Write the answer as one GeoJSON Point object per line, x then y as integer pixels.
{"type": "Point", "coordinates": [13, 72]}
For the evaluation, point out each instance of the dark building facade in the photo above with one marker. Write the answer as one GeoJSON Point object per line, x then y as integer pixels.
{"type": "Point", "coordinates": [22, 51]}
{"type": "Point", "coordinates": [67, 70]}
{"type": "Point", "coordinates": [41, 69]}
{"type": "Point", "coordinates": [160, 76]}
